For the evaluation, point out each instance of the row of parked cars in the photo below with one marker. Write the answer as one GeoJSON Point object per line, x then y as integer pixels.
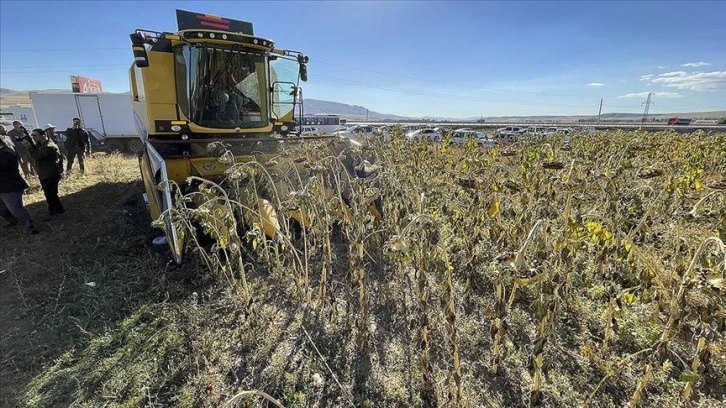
{"type": "Point", "coordinates": [518, 131]}
{"type": "Point", "coordinates": [459, 136]}
{"type": "Point", "coordinates": [505, 135]}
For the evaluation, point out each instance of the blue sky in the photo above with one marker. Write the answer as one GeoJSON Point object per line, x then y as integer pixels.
{"type": "Point", "coordinates": [451, 59]}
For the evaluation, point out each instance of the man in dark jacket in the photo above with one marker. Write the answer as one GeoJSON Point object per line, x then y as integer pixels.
{"type": "Point", "coordinates": [12, 187]}
{"type": "Point", "coordinates": [48, 161]}
{"type": "Point", "coordinates": [78, 143]}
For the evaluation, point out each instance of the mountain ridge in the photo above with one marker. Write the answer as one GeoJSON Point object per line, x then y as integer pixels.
{"type": "Point", "coordinates": [12, 97]}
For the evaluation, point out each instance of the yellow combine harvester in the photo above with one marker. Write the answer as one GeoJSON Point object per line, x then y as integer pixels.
{"type": "Point", "coordinates": [211, 81]}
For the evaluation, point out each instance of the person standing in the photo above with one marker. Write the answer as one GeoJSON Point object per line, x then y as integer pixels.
{"type": "Point", "coordinates": [78, 144]}
{"type": "Point", "coordinates": [22, 148]}
{"type": "Point", "coordinates": [50, 132]}
{"type": "Point", "coordinates": [12, 186]}
{"type": "Point", "coordinates": [50, 169]}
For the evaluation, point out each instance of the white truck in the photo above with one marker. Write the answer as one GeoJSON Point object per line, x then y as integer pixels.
{"type": "Point", "coordinates": [108, 114]}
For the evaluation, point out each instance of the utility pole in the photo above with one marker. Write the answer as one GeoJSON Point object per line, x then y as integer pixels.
{"type": "Point", "coordinates": [366, 114]}
{"type": "Point", "coordinates": [600, 111]}
{"type": "Point", "coordinates": [647, 104]}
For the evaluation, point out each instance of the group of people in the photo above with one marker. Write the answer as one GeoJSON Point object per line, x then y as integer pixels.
{"type": "Point", "coordinates": [38, 155]}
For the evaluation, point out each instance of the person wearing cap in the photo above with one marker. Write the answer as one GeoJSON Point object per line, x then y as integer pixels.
{"type": "Point", "coordinates": [12, 186]}
{"type": "Point", "coordinates": [50, 132]}
{"type": "Point", "coordinates": [22, 148]}
{"type": "Point", "coordinates": [77, 144]}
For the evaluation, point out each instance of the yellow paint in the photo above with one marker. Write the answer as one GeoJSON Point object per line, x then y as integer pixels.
{"type": "Point", "coordinates": [268, 215]}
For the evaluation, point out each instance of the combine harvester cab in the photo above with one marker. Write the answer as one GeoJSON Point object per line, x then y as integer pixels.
{"type": "Point", "coordinates": [212, 81]}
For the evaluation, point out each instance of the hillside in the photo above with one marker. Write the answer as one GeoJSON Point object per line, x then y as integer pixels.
{"type": "Point", "coordinates": [607, 117]}
{"type": "Point", "coordinates": [11, 97]}
{"type": "Point", "coordinates": [351, 112]}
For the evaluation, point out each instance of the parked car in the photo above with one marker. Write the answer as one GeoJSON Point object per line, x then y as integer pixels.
{"type": "Point", "coordinates": [308, 131]}
{"type": "Point", "coordinates": [356, 131]}
{"type": "Point", "coordinates": [98, 141]}
{"type": "Point", "coordinates": [429, 133]}
{"type": "Point", "coordinates": [509, 132]}
{"type": "Point", "coordinates": [536, 131]}
{"type": "Point", "coordinates": [462, 136]}
{"type": "Point", "coordinates": [552, 131]}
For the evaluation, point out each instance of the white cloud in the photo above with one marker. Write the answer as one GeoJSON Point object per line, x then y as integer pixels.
{"type": "Point", "coordinates": [661, 67]}
{"type": "Point", "coordinates": [646, 77]}
{"type": "Point", "coordinates": [694, 81]}
{"type": "Point", "coordinates": [595, 84]}
{"type": "Point", "coordinates": [696, 64]}
{"type": "Point", "coordinates": [666, 95]}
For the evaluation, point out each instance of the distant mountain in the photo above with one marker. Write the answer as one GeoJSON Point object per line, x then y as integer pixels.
{"type": "Point", "coordinates": [605, 117]}
{"type": "Point", "coordinates": [350, 112]}
{"type": "Point", "coordinates": [11, 97]}
{"type": "Point", "coordinates": [8, 92]}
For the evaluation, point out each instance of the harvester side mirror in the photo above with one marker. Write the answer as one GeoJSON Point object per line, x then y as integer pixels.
{"type": "Point", "coordinates": [303, 72]}
{"type": "Point", "coordinates": [303, 61]}
{"type": "Point", "coordinates": [141, 59]}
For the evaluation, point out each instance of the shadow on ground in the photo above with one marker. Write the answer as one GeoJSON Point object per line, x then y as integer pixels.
{"type": "Point", "coordinates": [85, 271]}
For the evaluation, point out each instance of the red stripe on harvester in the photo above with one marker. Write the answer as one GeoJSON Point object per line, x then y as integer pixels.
{"type": "Point", "coordinates": [209, 24]}
{"type": "Point", "coordinates": [216, 19]}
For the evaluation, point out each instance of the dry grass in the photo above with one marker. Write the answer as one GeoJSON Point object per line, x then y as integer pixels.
{"type": "Point", "coordinates": [47, 308]}
{"type": "Point", "coordinates": [492, 281]}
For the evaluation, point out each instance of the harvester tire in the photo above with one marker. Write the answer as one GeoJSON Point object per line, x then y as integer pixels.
{"type": "Point", "coordinates": [135, 145]}
{"type": "Point", "coordinates": [116, 146]}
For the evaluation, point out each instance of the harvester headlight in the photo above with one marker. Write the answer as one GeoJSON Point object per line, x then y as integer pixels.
{"type": "Point", "coordinates": [264, 42]}
{"type": "Point", "coordinates": [283, 128]}
{"type": "Point", "coordinates": [176, 128]}
{"type": "Point", "coordinates": [224, 36]}
{"type": "Point", "coordinates": [200, 35]}
{"type": "Point", "coordinates": [185, 136]}
{"type": "Point", "coordinates": [211, 35]}
{"type": "Point", "coordinates": [255, 41]}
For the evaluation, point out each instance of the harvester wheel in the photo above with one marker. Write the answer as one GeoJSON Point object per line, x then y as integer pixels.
{"type": "Point", "coordinates": [135, 145]}
{"type": "Point", "coordinates": [116, 146]}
